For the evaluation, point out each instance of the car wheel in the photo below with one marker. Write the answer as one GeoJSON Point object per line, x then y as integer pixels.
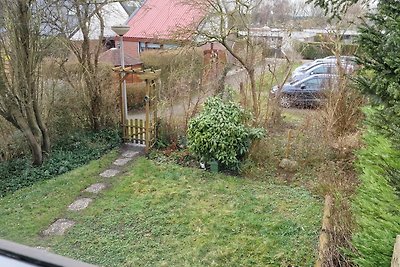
{"type": "Point", "coordinates": [286, 101]}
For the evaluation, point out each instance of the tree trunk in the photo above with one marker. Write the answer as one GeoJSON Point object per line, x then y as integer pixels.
{"type": "Point", "coordinates": [36, 149]}
{"type": "Point", "coordinates": [221, 82]}
{"type": "Point", "coordinates": [46, 145]}
{"type": "Point", "coordinates": [33, 125]}
{"type": "Point", "coordinates": [95, 101]}
{"type": "Point", "coordinates": [35, 146]}
{"type": "Point", "coordinates": [253, 88]}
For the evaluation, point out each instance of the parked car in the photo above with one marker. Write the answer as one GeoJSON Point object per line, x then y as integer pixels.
{"type": "Point", "coordinates": [310, 91]}
{"type": "Point", "coordinates": [345, 60]}
{"type": "Point", "coordinates": [319, 68]}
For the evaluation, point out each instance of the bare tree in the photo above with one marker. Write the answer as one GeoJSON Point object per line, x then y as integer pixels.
{"type": "Point", "coordinates": [228, 22]}
{"type": "Point", "coordinates": [86, 51]}
{"type": "Point", "coordinates": [22, 49]}
{"type": "Point", "coordinates": [89, 23]}
{"type": "Point", "coordinates": [273, 13]}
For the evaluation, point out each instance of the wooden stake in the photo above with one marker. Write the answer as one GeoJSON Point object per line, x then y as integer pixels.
{"type": "Point", "coordinates": [324, 236]}
{"type": "Point", "coordinates": [396, 253]}
{"type": "Point", "coordinates": [288, 145]}
{"type": "Point", "coordinates": [147, 122]}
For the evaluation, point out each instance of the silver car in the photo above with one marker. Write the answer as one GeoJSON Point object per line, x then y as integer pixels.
{"type": "Point", "coordinates": [345, 60]}
{"type": "Point", "coordinates": [319, 68]}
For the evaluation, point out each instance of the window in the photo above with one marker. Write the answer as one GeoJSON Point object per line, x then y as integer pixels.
{"type": "Point", "coordinates": [321, 70]}
{"type": "Point", "coordinates": [313, 83]}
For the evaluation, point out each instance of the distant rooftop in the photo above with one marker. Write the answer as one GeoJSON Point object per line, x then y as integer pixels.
{"type": "Point", "coordinates": [160, 19]}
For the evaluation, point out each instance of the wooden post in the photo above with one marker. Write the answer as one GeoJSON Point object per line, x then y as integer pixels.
{"type": "Point", "coordinates": [120, 102]}
{"type": "Point", "coordinates": [396, 253]}
{"type": "Point", "coordinates": [141, 128]}
{"type": "Point", "coordinates": [288, 145]}
{"type": "Point", "coordinates": [147, 122]}
{"type": "Point", "coordinates": [153, 110]}
{"type": "Point", "coordinates": [128, 130]}
{"type": "Point", "coordinates": [324, 236]}
{"type": "Point", "coordinates": [136, 134]}
{"type": "Point", "coordinates": [122, 107]}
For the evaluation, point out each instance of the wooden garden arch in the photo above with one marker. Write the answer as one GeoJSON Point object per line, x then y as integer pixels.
{"type": "Point", "coordinates": [137, 130]}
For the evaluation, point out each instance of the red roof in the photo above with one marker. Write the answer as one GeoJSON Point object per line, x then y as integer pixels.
{"type": "Point", "coordinates": [161, 19]}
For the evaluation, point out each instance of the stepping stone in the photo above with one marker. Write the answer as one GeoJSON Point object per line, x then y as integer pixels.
{"type": "Point", "coordinates": [59, 227]}
{"type": "Point", "coordinates": [135, 145]}
{"type": "Point", "coordinates": [80, 204]}
{"type": "Point", "coordinates": [122, 161]}
{"type": "Point", "coordinates": [109, 173]}
{"type": "Point", "coordinates": [95, 188]}
{"type": "Point", "coordinates": [130, 154]}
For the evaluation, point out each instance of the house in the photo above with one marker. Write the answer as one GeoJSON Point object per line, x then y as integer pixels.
{"type": "Point", "coordinates": [113, 13]}
{"type": "Point", "coordinates": [286, 39]}
{"type": "Point", "coordinates": [160, 24]}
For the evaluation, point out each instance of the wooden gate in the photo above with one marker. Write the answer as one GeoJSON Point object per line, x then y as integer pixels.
{"type": "Point", "coordinates": [140, 131]}
{"type": "Point", "coordinates": [143, 131]}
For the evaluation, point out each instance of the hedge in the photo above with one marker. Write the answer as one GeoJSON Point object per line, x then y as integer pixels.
{"type": "Point", "coordinates": [314, 50]}
{"type": "Point", "coordinates": [376, 202]}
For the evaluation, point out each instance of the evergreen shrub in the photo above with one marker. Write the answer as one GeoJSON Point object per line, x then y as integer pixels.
{"type": "Point", "coordinates": [220, 133]}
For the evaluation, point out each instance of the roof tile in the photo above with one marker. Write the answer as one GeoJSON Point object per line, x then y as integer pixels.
{"type": "Point", "coordinates": [160, 19]}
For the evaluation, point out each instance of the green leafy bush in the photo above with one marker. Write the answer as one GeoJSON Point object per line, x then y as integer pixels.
{"type": "Point", "coordinates": [220, 133]}
{"type": "Point", "coordinates": [69, 153]}
{"type": "Point", "coordinates": [376, 204]}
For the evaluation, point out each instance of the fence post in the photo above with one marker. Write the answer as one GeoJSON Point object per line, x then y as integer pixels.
{"type": "Point", "coordinates": [324, 236]}
{"type": "Point", "coordinates": [396, 253]}
{"type": "Point", "coordinates": [147, 122]}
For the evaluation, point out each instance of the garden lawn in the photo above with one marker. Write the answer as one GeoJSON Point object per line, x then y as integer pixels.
{"type": "Point", "coordinates": [166, 215]}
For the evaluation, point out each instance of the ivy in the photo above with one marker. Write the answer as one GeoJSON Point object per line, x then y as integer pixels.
{"type": "Point", "coordinates": [69, 153]}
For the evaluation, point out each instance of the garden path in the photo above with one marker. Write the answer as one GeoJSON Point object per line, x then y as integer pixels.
{"type": "Point", "coordinates": [128, 153]}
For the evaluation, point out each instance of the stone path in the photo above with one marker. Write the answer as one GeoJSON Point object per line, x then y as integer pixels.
{"type": "Point", "coordinates": [96, 188]}
{"type": "Point", "coordinates": [128, 153]}
{"type": "Point", "coordinates": [59, 227]}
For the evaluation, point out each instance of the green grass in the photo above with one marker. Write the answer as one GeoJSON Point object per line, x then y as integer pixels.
{"type": "Point", "coordinates": [166, 215]}
{"type": "Point", "coordinates": [27, 212]}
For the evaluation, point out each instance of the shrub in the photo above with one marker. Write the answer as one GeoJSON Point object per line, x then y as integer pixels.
{"type": "Point", "coordinates": [69, 99]}
{"type": "Point", "coordinates": [375, 204]}
{"type": "Point", "coordinates": [170, 133]}
{"type": "Point", "coordinates": [12, 142]}
{"type": "Point", "coordinates": [314, 50]}
{"type": "Point", "coordinates": [135, 95]}
{"type": "Point", "coordinates": [69, 153]}
{"type": "Point", "coordinates": [183, 83]}
{"type": "Point", "coordinates": [220, 133]}
{"type": "Point", "coordinates": [181, 69]}
{"type": "Point", "coordinates": [341, 114]}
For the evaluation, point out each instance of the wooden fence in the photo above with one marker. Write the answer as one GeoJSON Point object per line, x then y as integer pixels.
{"type": "Point", "coordinates": [138, 132]}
